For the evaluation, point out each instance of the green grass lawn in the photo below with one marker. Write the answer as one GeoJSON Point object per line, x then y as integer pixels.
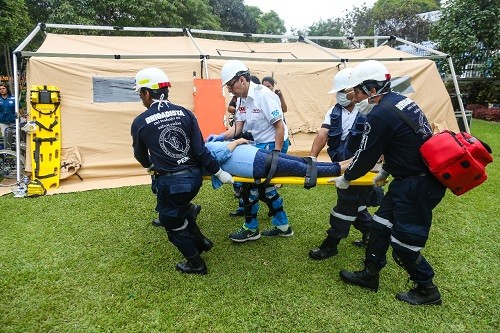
{"type": "Point", "coordinates": [92, 262]}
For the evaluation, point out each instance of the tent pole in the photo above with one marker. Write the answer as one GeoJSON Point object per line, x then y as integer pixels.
{"type": "Point", "coordinates": [459, 96]}
{"type": "Point", "coordinates": [310, 42]}
{"type": "Point", "coordinates": [18, 130]}
{"type": "Point", "coordinates": [17, 98]}
{"type": "Point", "coordinates": [202, 54]}
{"type": "Point", "coordinates": [418, 46]}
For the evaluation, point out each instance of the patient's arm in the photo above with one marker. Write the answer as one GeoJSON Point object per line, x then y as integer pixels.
{"type": "Point", "coordinates": [235, 143]}
{"type": "Point", "coordinates": [344, 164]}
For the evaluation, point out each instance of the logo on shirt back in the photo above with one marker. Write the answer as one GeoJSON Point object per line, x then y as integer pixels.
{"type": "Point", "coordinates": [174, 142]}
{"type": "Point", "coordinates": [403, 103]}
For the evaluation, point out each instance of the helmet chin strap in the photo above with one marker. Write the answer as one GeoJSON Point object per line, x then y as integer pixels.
{"type": "Point", "coordinates": [160, 101]}
{"type": "Point", "coordinates": [378, 93]}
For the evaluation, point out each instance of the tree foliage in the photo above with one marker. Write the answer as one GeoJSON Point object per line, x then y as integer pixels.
{"type": "Point", "coordinates": [270, 23]}
{"type": "Point", "coordinates": [331, 27]}
{"type": "Point", "coordinates": [359, 22]}
{"type": "Point", "coordinates": [160, 13]}
{"type": "Point", "coordinates": [468, 31]}
{"type": "Point", "coordinates": [14, 22]}
{"type": "Point", "coordinates": [234, 16]}
{"type": "Point", "coordinates": [14, 26]}
{"type": "Point", "coordinates": [399, 18]}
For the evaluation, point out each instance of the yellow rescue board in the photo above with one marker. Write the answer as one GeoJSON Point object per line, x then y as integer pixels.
{"type": "Point", "coordinates": [365, 180]}
{"type": "Point", "coordinates": [45, 141]}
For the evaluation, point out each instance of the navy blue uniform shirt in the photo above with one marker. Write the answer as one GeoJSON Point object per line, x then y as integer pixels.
{"type": "Point", "coordinates": [387, 134]}
{"type": "Point", "coordinates": [170, 138]}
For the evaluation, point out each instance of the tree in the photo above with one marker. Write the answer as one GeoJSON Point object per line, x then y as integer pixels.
{"type": "Point", "coordinates": [331, 27]}
{"type": "Point", "coordinates": [468, 31]}
{"type": "Point", "coordinates": [399, 18]}
{"type": "Point", "coordinates": [234, 16]}
{"type": "Point", "coordinates": [162, 13]}
{"type": "Point", "coordinates": [14, 26]}
{"type": "Point", "coordinates": [268, 23]}
{"type": "Point", "coordinates": [359, 22]}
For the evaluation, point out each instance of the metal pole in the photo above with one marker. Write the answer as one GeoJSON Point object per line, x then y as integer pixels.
{"type": "Point", "coordinates": [459, 96]}
{"type": "Point", "coordinates": [16, 96]}
{"type": "Point", "coordinates": [18, 130]}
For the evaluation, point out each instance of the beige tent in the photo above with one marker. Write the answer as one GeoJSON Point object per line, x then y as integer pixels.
{"type": "Point", "coordinates": [95, 76]}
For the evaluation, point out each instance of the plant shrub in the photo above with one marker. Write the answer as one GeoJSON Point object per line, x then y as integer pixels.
{"type": "Point", "coordinates": [485, 113]}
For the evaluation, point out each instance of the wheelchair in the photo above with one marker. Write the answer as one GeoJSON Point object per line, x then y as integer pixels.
{"type": "Point", "coordinates": [8, 164]}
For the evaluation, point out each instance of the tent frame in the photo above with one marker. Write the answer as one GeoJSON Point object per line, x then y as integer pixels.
{"type": "Point", "coordinates": [20, 52]}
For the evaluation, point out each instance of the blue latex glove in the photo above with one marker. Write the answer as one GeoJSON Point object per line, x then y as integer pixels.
{"type": "Point", "coordinates": [215, 137]}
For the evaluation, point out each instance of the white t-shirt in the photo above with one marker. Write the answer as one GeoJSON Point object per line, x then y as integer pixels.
{"type": "Point", "coordinates": [260, 110]}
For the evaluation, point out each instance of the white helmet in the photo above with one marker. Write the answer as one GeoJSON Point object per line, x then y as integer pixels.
{"type": "Point", "coordinates": [152, 78]}
{"type": "Point", "coordinates": [368, 70]}
{"type": "Point", "coordinates": [340, 80]}
{"type": "Point", "coordinates": [231, 69]}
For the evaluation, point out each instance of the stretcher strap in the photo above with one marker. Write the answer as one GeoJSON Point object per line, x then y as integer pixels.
{"type": "Point", "coordinates": [50, 128]}
{"type": "Point", "coordinates": [311, 173]}
{"type": "Point", "coordinates": [271, 166]}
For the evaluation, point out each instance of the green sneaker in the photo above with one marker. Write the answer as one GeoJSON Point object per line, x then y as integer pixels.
{"type": "Point", "coordinates": [275, 231]}
{"type": "Point", "coordinates": [244, 234]}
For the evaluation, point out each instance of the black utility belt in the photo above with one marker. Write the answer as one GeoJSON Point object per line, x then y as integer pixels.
{"type": "Point", "coordinates": [422, 174]}
{"type": "Point", "coordinates": [174, 173]}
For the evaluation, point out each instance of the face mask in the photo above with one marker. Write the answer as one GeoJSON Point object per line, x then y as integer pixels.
{"type": "Point", "coordinates": [364, 107]}
{"type": "Point", "coordinates": [342, 99]}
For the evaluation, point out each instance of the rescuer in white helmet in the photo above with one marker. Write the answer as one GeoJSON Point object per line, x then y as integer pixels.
{"type": "Point", "coordinates": [404, 217]}
{"type": "Point", "coordinates": [168, 142]}
{"type": "Point", "coordinates": [342, 131]}
{"type": "Point", "coordinates": [260, 111]}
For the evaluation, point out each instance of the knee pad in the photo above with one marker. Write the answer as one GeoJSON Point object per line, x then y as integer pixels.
{"type": "Point", "coordinates": [272, 199]}
{"type": "Point", "coordinates": [254, 195]}
{"type": "Point", "coordinates": [249, 196]}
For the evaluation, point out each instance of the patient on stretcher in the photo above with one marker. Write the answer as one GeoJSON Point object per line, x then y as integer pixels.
{"type": "Point", "coordinates": [245, 160]}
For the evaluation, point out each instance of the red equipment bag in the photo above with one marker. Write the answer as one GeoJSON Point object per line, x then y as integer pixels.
{"type": "Point", "coordinates": [457, 160]}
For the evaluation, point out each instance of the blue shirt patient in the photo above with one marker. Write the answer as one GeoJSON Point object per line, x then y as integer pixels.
{"type": "Point", "coordinates": [244, 160]}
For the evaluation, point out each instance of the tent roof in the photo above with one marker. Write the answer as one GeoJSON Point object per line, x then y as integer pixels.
{"type": "Point", "coordinates": [62, 45]}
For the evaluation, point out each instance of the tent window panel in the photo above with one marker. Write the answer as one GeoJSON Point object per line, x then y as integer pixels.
{"type": "Point", "coordinates": [402, 85]}
{"type": "Point", "coordinates": [113, 90]}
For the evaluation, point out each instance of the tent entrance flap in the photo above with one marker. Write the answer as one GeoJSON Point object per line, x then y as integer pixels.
{"type": "Point", "coordinates": [209, 106]}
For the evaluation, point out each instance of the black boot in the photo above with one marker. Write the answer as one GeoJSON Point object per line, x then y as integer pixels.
{"type": "Point", "coordinates": [194, 210]}
{"type": "Point", "coordinates": [367, 278]}
{"type": "Point", "coordinates": [363, 242]}
{"type": "Point", "coordinates": [203, 244]}
{"type": "Point", "coordinates": [193, 265]}
{"type": "Point", "coordinates": [421, 295]}
{"type": "Point", "coordinates": [327, 249]}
